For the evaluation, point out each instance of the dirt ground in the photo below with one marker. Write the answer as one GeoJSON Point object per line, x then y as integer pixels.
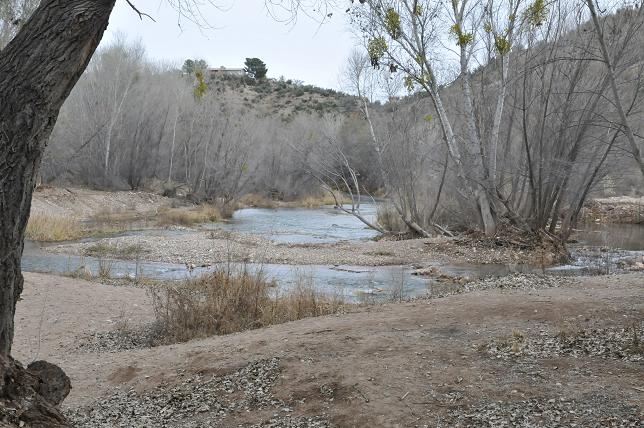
{"type": "Point", "coordinates": [424, 363]}
{"type": "Point", "coordinates": [618, 209]}
{"type": "Point", "coordinates": [84, 203]}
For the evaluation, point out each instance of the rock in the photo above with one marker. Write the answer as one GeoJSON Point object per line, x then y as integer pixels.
{"type": "Point", "coordinates": [430, 271]}
{"type": "Point", "coordinates": [54, 384]}
{"type": "Point", "coordinates": [21, 404]}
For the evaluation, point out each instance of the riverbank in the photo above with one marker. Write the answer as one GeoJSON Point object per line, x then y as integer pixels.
{"type": "Point", "coordinates": [488, 355]}
{"type": "Point", "coordinates": [619, 209]}
{"type": "Point", "coordinates": [266, 236]}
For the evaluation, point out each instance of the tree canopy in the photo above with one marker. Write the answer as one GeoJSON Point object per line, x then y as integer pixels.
{"type": "Point", "coordinates": [190, 66]}
{"type": "Point", "coordinates": [255, 68]}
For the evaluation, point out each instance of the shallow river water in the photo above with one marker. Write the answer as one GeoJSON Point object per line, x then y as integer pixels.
{"type": "Point", "coordinates": [327, 225]}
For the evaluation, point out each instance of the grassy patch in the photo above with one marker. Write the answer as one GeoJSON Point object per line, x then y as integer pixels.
{"type": "Point", "coordinates": [225, 302]}
{"type": "Point", "coordinates": [256, 200]}
{"type": "Point", "coordinates": [45, 228]}
{"type": "Point", "coordinates": [122, 252]}
{"type": "Point", "coordinates": [108, 216]}
{"type": "Point", "coordinates": [318, 201]}
{"type": "Point", "coordinates": [189, 217]}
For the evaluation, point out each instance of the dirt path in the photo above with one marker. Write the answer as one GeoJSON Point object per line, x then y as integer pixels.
{"type": "Point", "coordinates": [426, 363]}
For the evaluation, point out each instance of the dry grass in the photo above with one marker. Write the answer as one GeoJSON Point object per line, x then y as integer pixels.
{"type": "Point", "coordinates": [226, 302]}
{"type": "Point", "coordinates": [318, 201]}
{"type": "Point", "coordinates": [109, 216]}
{"type": "Point", "coordinates": [46, 228]}
{"type": "Point", "coordinates": [189, 217]}
{"type": "Point", "coordinates": [110, 250]}
{"type": "Point", "coordinates": [256, 200]}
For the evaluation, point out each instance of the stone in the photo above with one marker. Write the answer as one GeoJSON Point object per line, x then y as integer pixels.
{"type": "Point", "coordinates": [21, 403]}
{"type": "Point", "coordinates": [54, 385]}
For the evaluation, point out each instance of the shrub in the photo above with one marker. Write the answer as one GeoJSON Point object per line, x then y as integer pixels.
{"type": "Point", "coordinates": [121, 252]}
{"type": "Point", "coordinates": [226, 302]}
{"type": "Point", "coordinates": [189, 217]}
{"type": "Point", "coordinates": [390, 220]}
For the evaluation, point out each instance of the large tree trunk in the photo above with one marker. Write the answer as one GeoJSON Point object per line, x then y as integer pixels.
{"type": "Point", "coordinates": [38, 69]}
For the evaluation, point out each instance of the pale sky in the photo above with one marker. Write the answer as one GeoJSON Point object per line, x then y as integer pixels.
{"type": "Point", "coordinates": [304, 51]}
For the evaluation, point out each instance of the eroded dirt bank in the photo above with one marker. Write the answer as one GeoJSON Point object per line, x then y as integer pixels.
{"type": "Point", "coordinates": [85, 203]}
{"type": "Point", "coordinates": [618, 209]}
{"type": "Point", "coordinates": [548, 357]}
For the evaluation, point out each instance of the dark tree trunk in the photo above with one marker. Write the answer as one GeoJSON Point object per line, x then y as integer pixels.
{"type": "Point", "coordinates": [38, 69]}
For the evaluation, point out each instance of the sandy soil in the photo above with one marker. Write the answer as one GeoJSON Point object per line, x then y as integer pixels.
{"type": "Point", "coordinates": [84, 203]}
{"type": "Point", "coordinates": [396, 365]}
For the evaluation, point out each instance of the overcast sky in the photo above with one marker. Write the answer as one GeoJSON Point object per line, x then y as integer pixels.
{"type": "Point", "coordinates": [304, 51]}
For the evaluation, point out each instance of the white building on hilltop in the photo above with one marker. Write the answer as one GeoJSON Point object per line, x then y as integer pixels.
{"type": "Point", "coordinates": [225, 72]}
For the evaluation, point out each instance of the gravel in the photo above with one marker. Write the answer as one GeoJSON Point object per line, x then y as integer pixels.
{"type": "Point", "coordinates": [519, 281]}
{"type": "Point", "coordinates": [123, 339]}
{"type": "Point", "coordinates": [196, 402]}
{"type": "Point", "coordinates": [609, 343]}
{"type": "Point", "coordinates": [592, 411]}
{"type": "Point", "coordinates": [205, 248]}
{"type": "Point", "coordinates": [289, 422]}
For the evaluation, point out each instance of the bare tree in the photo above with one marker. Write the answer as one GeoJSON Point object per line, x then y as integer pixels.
{"type": "Point", "coordinates": [612, 80]}
{"type": "Point", "coordinates": [407, 35]}
{"type": "Point", "coordinates": [403, 170]}
{"type": "Point", "coordinates": [328, 163]}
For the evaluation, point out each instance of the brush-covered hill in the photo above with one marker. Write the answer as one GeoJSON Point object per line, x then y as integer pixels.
{"type": "Point", "coordinates": [282, 97]}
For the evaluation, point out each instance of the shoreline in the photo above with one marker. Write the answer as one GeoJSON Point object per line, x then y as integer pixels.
{"type": "Point", "coordinates": [444, 358]}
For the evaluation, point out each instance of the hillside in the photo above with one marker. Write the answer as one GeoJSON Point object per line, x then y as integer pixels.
{"type": "Point", "coordinates": [283, 98]}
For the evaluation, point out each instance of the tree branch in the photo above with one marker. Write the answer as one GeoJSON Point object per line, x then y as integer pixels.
{"type": "Point", "coordinates": [141, 14]}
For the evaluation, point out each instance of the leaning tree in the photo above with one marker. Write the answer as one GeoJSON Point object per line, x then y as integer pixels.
{"type": "Point", "coordinates": [38, 69]}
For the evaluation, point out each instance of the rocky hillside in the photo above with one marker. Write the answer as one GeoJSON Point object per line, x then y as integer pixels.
{"type": "Point", "coordinates": [282, 97]}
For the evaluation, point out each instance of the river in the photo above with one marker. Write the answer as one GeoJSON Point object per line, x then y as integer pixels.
{"type": "Point", "coordinates": [597, 249]}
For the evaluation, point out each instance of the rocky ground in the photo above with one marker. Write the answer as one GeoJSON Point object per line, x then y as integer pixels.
{"type": "Point", "coordinates": [208, 247]}
{"type": "Point", "coordinates": [521, 351]}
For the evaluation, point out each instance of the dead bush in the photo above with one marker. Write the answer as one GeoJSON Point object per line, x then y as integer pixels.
{"type": "Point", "coordinates": [226, 302]}
{"type": "Point", "coordinates": [189, 217]}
